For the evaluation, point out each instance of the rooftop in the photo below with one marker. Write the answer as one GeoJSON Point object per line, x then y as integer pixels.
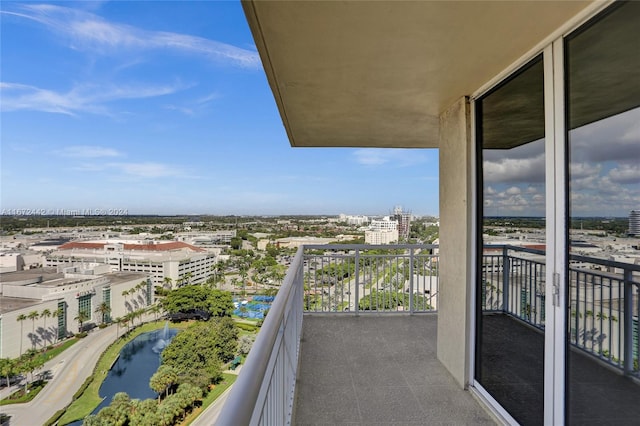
{"type": "Point", "coordinates": [121, 277]}
{"type": "Point", "coordinates": [128, 245]}
{"type": "Point", "coordinates": [9, 304]}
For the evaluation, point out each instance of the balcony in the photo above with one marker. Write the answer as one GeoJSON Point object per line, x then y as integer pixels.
{"type": "Point", "coordinates": [351, 338]}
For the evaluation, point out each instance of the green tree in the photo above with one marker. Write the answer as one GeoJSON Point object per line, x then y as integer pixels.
{"type": "Point", "coordinates": [168, 283]}
{"type": "Point", "coordinates": [236, 243]}
{"type": "Point", "coordinates": [21, 318]}
{"type": "Point", "coordinates": [117, 320]}
{"type": "Point", "coordinates": [144, 413]}
{"type": "Point", "coordinates": [7, 368]}
{"type": "Point", "coordinates": [103, 309]}
{"type": "Point", "coordinates": [29, 363]}
{"type": "Point", "coordinates": [124, 321]}
{"type": "Point", "coordinates": [187, 278]}
{"type": "Point", "coordinates": [163, 379]}
{"type": "Point", "coordinates": [81, 318]}
{"type": "Point", "coordinates": [33, 316]}
{"type": "Point", "coordinates": [121, 405]}
{"type": "Point", "coordinates": [155, 310]}
{"type": "Point", "coordinates": [183, 299]}
{"type": "Point", "coordinates": [198, 350]}
{"type": "Point", "coordinates": [46, 313]}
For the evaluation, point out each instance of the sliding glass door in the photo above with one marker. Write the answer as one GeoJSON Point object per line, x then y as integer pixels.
{"type": "Point", "coordinates": [558, 253]}
{"type": "Point", "coordinates": [511, 307]}
{"type": "Point", "coordinates": [602, 73]}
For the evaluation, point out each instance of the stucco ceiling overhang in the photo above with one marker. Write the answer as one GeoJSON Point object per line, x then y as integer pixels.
{"type": "Point", "coordinates": [380, 73]}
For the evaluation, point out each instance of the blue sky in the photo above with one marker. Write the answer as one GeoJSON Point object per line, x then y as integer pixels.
{"type": "Point", "coordinates": [163, 108]}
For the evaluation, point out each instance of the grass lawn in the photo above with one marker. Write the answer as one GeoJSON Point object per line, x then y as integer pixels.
{"type": "Point", "coordinates": [50, 353]}
{"type": "Point", "coordinates": [225, 383]}
{"type": "Point", "coordinates": [19, 397]}
{"type": "Point", "coordinates": [90, 398]}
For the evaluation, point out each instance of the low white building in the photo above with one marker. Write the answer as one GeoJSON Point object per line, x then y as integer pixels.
{"type": "Point", "coordinates": [295, 242]}
{"type": "Point", "coordinates": [54, 297]}
{"type": "Point", "coordinates": [178, 262]}
{"type": "Point", "coordinates": [383, 231]}
{"type": "Point", "coordinates": [386, 236]}
{"type": "Point", "coordinates": [358, 220]}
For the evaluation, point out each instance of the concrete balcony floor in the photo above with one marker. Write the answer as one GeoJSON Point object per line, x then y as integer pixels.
{"type": "Point", "coordinates": [378, 370]}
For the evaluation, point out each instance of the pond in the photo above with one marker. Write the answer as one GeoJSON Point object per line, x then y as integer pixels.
{"type": "Point", "coordinates": [137, 362]}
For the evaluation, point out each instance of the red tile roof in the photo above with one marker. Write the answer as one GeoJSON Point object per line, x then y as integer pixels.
{"type": "Point", "coordinates": [173, 245]}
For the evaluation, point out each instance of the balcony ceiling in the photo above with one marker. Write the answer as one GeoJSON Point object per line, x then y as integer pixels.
{"type": "Point", "coordinates": [378, 74]}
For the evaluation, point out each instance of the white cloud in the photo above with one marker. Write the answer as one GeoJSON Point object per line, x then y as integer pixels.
{"type": "Point", "coordinates": [147, 169]}
{"type": "Point", "coordinates": [87, 151]}
{"type": "Point", "coordinates": [615, 138]}
{"type": "Point", "coordinates": [625, 174]}
{"type": "Point", "coordinates": [514, 170]}
{"type": "Point", "coordinates": [514, 190]}
{"type": "Point", "coordinates": [81, 98]}
{"type": "Point", "coordinates": [584, 170]}
{"type": "Point", "coordinates": [392, 157]}
{"type": "Point", "coordinates": [89, 32]}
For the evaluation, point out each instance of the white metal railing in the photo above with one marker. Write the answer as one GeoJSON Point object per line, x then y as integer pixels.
{"type": "Point", "coordinates": [401, 278]}
{"type": "Point", "coordinates": [358, 278]}
{"type": "Point", "coordinates": [603, 294]}
{"type": "Point", "coordinates": [263, 393]}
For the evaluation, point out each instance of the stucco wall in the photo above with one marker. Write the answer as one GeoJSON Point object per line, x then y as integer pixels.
{"type": "Point", "coordinates": [455, 239]}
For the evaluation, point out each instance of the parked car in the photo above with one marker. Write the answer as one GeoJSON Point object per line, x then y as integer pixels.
{"type": "Point", "coordinates": [198, 314]}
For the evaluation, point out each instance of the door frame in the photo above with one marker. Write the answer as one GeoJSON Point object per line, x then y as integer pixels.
{"type": "Point", "coordinates": [556, 178]}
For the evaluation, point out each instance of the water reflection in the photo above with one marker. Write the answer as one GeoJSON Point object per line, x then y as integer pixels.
{"type": "Point", "coordinates": [137, 362]}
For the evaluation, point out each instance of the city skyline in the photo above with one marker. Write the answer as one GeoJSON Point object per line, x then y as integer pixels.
{"type": "Point", "coordinates": [164, 108]}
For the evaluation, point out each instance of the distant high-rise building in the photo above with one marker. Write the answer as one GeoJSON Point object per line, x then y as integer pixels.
{"type": "Point", "coordinates": [404, 222]}
{"type": "Point", "coordinates": [634, 223]}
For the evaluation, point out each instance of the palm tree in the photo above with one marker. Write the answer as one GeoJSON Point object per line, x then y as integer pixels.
{"type": "Point", "coordinates": [104, 310]}
{"type": "Point", "coordinates": [124, 321]}
{"type": "Point", "coordinates": [7, 368]}
{"type": "Point", "coordinates": [168, 283]}
{"type": "Point", "coordinates": [46, 313]}
{"type": "Point", "coordinates": [155, 309]}
{"type": "Point", "coordinates": [117, 320]}
{"type": "Point", "coordinates": [81, 318]}
{"type": "Point", "coordinates": [21, 319]}
{"type": "Point", "coordinates": [33, 316]}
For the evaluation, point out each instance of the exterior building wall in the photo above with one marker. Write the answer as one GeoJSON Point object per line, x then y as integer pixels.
{"type": "Point", "coordinates": [198, 264]}
{"type": "Point", "coordinates": [11, 262]}
{"type": "Point", "coordinates": [634, 223]}
{"type": "Point", "coordinates": [381, 237]}
{"type": "Point", "coordinates": [456, 214]}
{"type": "Point", "coordinates": [75, 290]}
{"type": "Point", "coordinates": [123, 304]}
{"type": "Point", "coordinates": [30, 334]}
{"type": "Point", "coordinates": [384, 224]}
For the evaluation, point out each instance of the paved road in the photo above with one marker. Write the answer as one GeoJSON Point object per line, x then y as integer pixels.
{"type": "Point", "coordinates": [209, 416]}
{"type": "Point", "coordinates": [69, 371]}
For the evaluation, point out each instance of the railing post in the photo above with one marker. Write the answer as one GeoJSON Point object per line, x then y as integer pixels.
{"type": "Point", "coordinates": [411, 307]}
{"type": "Point", "coordinates": [357, 278]}
{"type": "Point", "coordinates": [505, 279]}
{"type": "Point", "coordinates": [628, 322]}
